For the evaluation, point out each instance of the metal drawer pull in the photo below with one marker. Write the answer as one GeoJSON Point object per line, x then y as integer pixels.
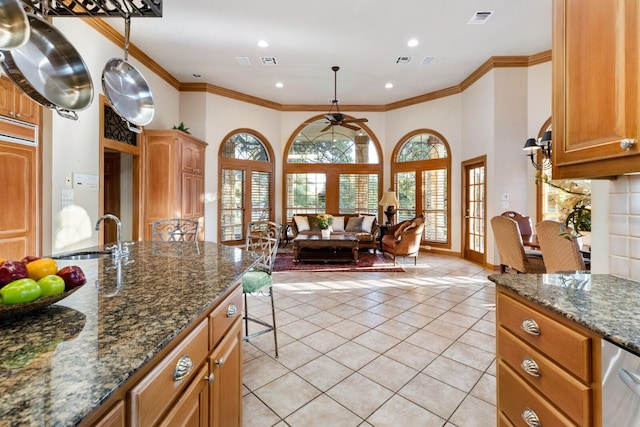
{"type": "Point", "coordinates": [530, 367]}
{"type": "Point", "coordinates": [530, 326]}
{"type": "Point", "coordinates": [183, 367]}
{"type": "Point", "coordinates": [209, 378]}
{"type": "Point", "coordinates": [219, 362]}
{"type": "Point", "coordinates": [232, 310]}
{"type": "Point", "coordinates": [531, 418]}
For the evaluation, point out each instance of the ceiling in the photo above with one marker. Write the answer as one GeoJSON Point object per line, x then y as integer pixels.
{"type": "Point", "coordinates": [363, 37]}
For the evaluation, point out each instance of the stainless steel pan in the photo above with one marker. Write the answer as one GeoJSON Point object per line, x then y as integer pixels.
{"type": "Point", "coordinates": [14, 25]}
{"type": "Point", "coordinates": [126, 89]}
{"type": "Point", "coordinates": [50, 70]}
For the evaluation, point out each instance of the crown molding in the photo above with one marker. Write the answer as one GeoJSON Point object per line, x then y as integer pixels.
{"type": "Point", "coordinates": [494, 62]}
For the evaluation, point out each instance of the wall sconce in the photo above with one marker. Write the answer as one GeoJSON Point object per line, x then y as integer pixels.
{"type": "Point", "coordinates": [390, 200]}
{"type": "Point", "coordinates": [532, 146]}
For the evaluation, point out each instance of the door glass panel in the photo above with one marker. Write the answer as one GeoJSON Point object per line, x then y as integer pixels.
{"type": "Point", "coordinates": [232, 205]}
{"type": "Point", "coordinates": [475, 209]}
{"type": "Point", "coordinates": [406, 192]}
{"type": "Point", "coordinates": [434, 199]}
{"type": "Point", "coordinates": [260, 195]}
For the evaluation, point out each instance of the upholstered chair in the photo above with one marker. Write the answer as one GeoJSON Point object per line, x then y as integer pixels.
{"type": "Point", "coordinates": [524, 222]}
{"type": "Point", "coordinates": [560, 251]}
{"type": "Point", "coordinates": [405, 240]}
{"type": "Point", "coordinates": [511, 249]}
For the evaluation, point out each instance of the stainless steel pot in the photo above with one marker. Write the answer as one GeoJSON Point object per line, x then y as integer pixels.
{"type": "Point", "coordinates": [126, 89]}
{"type": "Point", "coordinates": [50, 70]}
{"type": "Point", "coordinates": [14, 25]}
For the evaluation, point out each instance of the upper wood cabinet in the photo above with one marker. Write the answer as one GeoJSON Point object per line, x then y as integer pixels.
{"type": "Point", "coordinates": [16, 104]}
{"type": "Point", "coordinates": [595, 90]}
{"type": "Point", "coordinates": [173, 176]}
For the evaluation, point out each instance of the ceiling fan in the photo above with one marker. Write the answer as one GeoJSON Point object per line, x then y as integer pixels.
{"type": "Point", "coordinates": [337, 118]}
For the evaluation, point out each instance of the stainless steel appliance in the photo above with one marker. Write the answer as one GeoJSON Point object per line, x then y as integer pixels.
{"type": "Point", "coordinates": [620, 387]}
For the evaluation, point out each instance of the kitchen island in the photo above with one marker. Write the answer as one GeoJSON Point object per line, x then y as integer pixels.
{"type": "Point", "coordinates": [61, 364]}
{"type": "Point", "coordinates": [549, 334]}
{"type": "Point", "coordinates": [604, 304]}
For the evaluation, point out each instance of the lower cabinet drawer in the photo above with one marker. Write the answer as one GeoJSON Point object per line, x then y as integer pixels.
{"type": "Point", "coordinates": [155, 393]}
{"type": "Point", "coordinates": [567, 347]}
{"type": "Point", "coordinates": [518, 400]}
{"type": "Point", "coordinates": [551, 381]}
{"type": "Point", "coordinates": [223, 316]}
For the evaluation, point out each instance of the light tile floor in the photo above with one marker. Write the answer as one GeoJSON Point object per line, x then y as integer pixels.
{"type": "Point", "coordinates": [376, 349]}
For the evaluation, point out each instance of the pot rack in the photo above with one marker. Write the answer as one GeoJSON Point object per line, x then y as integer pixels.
{"type": "Point", "coordinates": [98, 8]}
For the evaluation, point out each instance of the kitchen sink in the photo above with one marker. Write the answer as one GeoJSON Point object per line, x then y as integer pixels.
{"type": "Point", "coordinates": [84, 255]}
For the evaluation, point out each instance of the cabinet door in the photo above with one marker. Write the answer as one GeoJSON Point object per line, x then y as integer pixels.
{"type": "Point", "coordinates": [198, 196]}
{"type": "Point", "coordinates": [188, 195]}
{"type": "Point", "coordinates": [18, 224]}
{"type": "Point", "coordinates": [6, 97]}
{"type": "Point", "coordinates": [595, 94]}
{"type": "Point", "coordinates": [192, 409]}
{"type": "Point", "coordinates": [26, 109]}
{"type": "Point", "coordinates": [226, 365]}
{"type": "Point", "coordinates": [113, 418]}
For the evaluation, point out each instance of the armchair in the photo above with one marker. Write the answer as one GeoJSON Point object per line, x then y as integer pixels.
{"type": "Point", "coordinates": [403, 239]}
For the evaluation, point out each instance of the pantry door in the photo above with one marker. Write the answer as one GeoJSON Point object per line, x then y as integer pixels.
{"type": "Point", "coordinates": [474, 205]}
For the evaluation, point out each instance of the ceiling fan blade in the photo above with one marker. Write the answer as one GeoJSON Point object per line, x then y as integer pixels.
{"type": "Point", "coordinates": [355, 120]}
{"type": "Point", "coordinates": [348, 126]}
{"type": "Point", "coordinates": [326, 128]}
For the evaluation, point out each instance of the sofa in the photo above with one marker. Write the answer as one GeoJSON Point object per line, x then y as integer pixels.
{"type": "Point", "coordinates": [363, 226]}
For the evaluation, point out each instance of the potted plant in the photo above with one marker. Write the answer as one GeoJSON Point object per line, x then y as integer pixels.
{"type": "Point", "coordinates": [324, 222]}
{"type": "Point", "coordinates": [574, 203]}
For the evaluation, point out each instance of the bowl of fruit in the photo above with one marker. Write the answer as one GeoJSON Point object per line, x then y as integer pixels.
{"type": "Point", "coordinates": [35, 283]}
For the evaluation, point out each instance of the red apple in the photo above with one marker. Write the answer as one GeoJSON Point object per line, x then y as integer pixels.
{"type": "Point", "coordinates": [12, 270]}
{"type": "Point", "coordinates": [29, 258]}
{"type": "Point", "coordinates": [73, 277]}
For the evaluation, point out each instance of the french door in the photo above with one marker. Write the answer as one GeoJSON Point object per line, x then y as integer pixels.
{"type": "Point", "coordinates": [474, 205]}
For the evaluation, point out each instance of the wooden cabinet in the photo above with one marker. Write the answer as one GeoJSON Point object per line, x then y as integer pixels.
{"type": "Point", "coordinates": [547, 366]}
{"type": "Point", "coordinates": [14, 103]}
{"type": "Point", "coordinates": [192, 409]}
{"type": "Point", "coordinates": [114, 418]}
{"type": "Point", "coordinates": [595, 88]}
{"type": "Point", "coordinates": [173, 177]}
{"type": "Point", "coordinates": [225, 362]}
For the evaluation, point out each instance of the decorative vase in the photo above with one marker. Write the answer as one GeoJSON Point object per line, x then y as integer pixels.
{"type": "Point", "coordinates": [326, 233]}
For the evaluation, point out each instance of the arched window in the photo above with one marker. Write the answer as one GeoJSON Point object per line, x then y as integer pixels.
{"type": "Point", "coordinates": [246, 183]}
{"type": "Point", "coordinates": [421, 177]}
{"type": "Point", "coordinates": [331, 170]}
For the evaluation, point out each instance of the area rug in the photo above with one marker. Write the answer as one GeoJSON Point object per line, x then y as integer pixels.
{"type": "Point", "coordinates": [366, 262]}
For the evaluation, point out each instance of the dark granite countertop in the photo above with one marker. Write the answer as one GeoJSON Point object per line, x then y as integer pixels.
{"type": "Point", "coordinates": [59, 364]}
{"type": "Point", "coordinates": [605, 304]}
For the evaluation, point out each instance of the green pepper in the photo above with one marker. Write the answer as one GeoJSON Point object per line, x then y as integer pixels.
{"type": "Point", "coordinates": [20, 291]}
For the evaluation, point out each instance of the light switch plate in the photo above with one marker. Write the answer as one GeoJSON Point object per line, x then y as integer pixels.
{"type": "Point", "coordinates": [505, 205]}
{"type": "Point", "coordinates": [505, 196]}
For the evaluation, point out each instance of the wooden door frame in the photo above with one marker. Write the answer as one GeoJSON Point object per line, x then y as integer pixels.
{"type": "Point", "coordinates": [136, 152]}
{"type": "Point", "coordinates": [463, 193]}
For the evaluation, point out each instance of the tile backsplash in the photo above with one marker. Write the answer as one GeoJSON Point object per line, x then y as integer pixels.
{"type": "Point", "coordinates": [624, 227]}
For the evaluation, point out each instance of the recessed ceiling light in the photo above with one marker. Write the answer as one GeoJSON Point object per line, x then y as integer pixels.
{"type": "Point", "coordinates": [413, 42]}
{"type": "Point", "coordinates": [279, 85]}
{"type": "Point", "coordinates": [388, 85]}
{"type": "Point", "coordinates": [263, 43]}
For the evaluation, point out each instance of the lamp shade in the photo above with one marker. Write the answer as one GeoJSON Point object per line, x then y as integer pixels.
{"type": "Point", "coordinates": [389, 198]}
{"type": "Point", "coordinates": [530, 146]}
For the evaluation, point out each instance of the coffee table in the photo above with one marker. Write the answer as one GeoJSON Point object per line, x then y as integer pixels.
{"type": "Point", "coordinates": [331, 247]}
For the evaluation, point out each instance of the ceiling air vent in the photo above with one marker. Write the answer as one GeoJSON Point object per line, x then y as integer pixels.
{"type": "Point", "coordinates": [268, 60]}
{"type": "Point", "coordinates": [404, 59]}
{"type": "Point", "coordinates": [427, 60]}
{"type": "Point", "coordinates": [480, 17]}
{"type": "Point", "coordinates": [243, 60]}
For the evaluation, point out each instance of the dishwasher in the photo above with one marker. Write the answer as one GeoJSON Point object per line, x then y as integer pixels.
{"type": "Point", "coordinates": [620, 387]}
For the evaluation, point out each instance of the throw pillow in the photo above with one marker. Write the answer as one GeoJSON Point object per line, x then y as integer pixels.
{"type": "Point", "coordinates": [354, 224]}
{"type": "Point", "coordinates": [302, 223]}
{"type": "Point", "coordinates": [400, 229]}
{"type": "Point", "coordinates": [367, 222]}
{"type": "Point", "coordinates": [338, 224]}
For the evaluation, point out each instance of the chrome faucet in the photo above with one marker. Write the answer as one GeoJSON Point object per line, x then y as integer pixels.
{"type": "Point", "coordinates": [117, 250]}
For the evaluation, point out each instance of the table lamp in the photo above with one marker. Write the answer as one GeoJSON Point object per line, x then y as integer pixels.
{"type": "Point", "coordinates": [390, 200]}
